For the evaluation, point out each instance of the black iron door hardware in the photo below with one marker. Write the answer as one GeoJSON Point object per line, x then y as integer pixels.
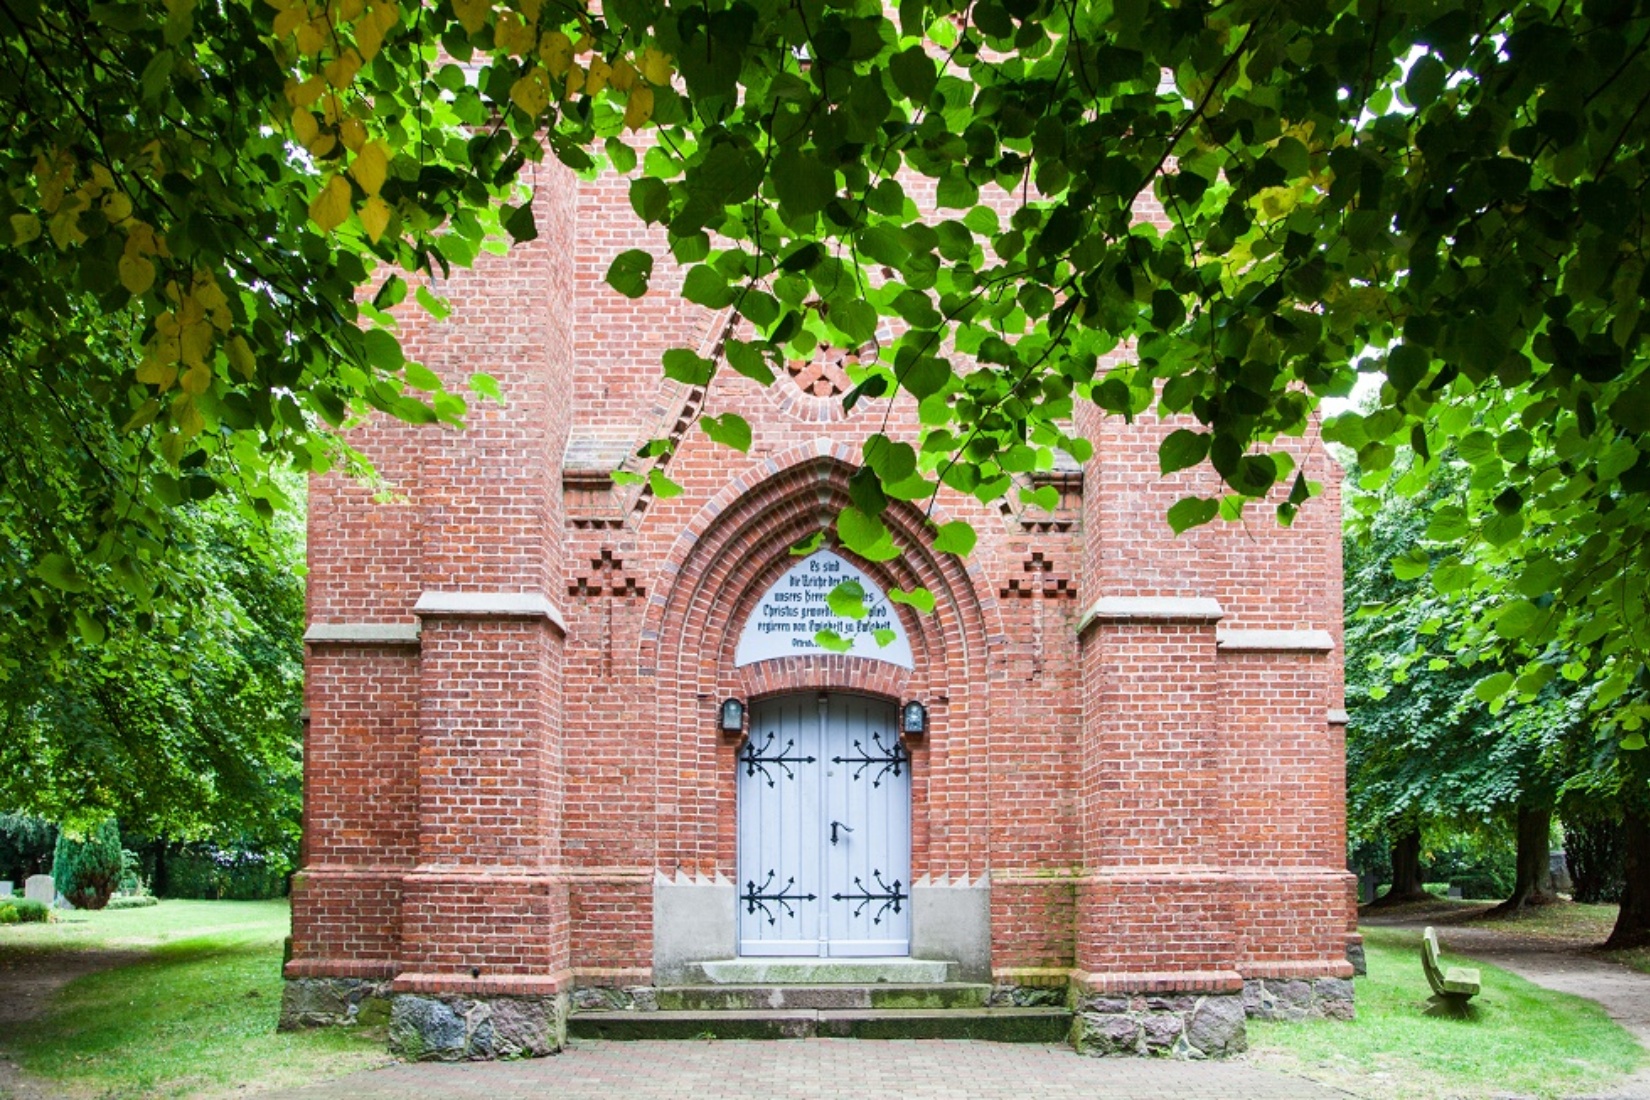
{"type": "Point", "coordinates": [892, 758]}
{"type": "Point", "coordinates": [891, 897]}
{"type": "Point", "coordinates": [756, 898]}
{"type": "Point", "coordinates": [755, 759]}
{"type": "Point", "coordinates": [835, 825]}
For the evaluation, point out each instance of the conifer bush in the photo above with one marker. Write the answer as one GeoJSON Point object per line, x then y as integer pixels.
{"type": "Point", "coordinates": [87, 867]}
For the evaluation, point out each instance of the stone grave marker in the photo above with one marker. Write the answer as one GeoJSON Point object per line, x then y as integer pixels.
{"type": "Point", "coordinates": [40, 888]}
{"type": "Point", "coordinates": [5, 888]}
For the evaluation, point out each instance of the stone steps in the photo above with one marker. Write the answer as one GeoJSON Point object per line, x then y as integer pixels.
{"type": "Point", "coordinates": [1005, 1025]}
{"type": "Point", "coordinates": [901, 995]}
{"type": "Point", "coordinates": [835, 971]}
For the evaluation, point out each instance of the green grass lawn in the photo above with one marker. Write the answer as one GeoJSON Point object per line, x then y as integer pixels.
{"type": "Point", "coordinates": [194, 1016]}
{"type": "Point", "coordinates": [1521, 1040]}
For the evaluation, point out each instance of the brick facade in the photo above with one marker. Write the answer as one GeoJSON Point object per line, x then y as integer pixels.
{"type": "Point", "coordinates": [515, 665]}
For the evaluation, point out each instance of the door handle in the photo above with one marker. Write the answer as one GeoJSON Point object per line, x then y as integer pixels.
{"type": "Point", "coordinates": [835, 825]}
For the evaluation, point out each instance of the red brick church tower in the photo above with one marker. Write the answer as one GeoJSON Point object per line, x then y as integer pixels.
{"type": "Point", "coordinates": [572, 750]}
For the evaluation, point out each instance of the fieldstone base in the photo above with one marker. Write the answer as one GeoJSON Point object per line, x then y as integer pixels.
{"type": "Point", "coordinates": [1299, 998]}
{"type": "Point", "coordinates": [1171, 1026]}
{"type": "Point", "coordinates": [1028, 996]}
{"type": "Point", "coordinates": [1355, 956]}
{"type": "Point", "coordinates": [603, 998]}
{"type": "Point", "coordinates": [334, 1002]}
{"type": "Point", "coordinates": [452, 1028]}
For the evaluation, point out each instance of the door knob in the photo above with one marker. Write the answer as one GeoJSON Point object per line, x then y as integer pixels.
{"type": "Point", "coordinates": [835, 825]}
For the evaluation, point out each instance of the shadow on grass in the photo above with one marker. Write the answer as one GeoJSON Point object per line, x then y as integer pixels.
{"type": "Point", "coordinates": [193, 1016]}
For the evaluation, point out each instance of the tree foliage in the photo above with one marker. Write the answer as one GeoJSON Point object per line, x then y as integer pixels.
{"type": "Point", "coordinates": [1423, 750]}
{"type": "Point", "coordinates": [1449, 194]}
{"type": "Point", "coordinates": [182, 722]}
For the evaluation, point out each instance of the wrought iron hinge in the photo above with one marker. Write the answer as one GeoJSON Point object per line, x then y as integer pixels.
{"type": "Point", "coordinates": [890, 897]}
{"type": "Point", "coordinates": [755, 761]}
{"type": "Point", "coordinates": [893, 758]}
{"type": "Point", "coordinates": [755, 898]}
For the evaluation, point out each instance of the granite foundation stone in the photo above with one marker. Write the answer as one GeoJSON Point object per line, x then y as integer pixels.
{"type": "Point", "coordinates": [459, 1029]}
{"type": "Point", "coordinates": [1189, 1026]}
{"type": "Point", "coordinates": [1299, 999]}
{"type": "Point", "coordinates": [333, 1002]}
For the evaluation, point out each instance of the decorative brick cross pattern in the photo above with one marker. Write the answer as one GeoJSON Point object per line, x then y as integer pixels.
{"type": "Point", "coordinates": [826, 374]}
{"type": "Point", "coordinates": [606, 578]}
{"type": "Point", "coordinates": [1041, 578]}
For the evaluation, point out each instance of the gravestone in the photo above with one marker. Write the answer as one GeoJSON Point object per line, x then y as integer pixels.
{"type": "Point", "coordinates": [40, 888]}
{"type": "Point", "coordinates": [5, 888]}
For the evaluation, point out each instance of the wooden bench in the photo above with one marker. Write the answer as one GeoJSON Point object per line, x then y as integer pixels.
{"type": "Point", "coordinates": [1451, 988]}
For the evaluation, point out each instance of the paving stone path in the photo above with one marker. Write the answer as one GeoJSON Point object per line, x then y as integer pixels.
{"type": "Point", "coordinates": [820, 1069]}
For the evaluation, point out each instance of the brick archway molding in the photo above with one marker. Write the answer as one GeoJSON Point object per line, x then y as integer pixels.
{"type": "Point", "coordinates": [738, 545]}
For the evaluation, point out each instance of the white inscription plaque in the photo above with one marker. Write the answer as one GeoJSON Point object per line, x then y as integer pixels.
{"type": "Point", "coordinates": [784, 621]}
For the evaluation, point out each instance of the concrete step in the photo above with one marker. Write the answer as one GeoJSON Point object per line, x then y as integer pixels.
{"type": "Point", "coordinates": [1003, 1025]}
{"type": "Point", "coordinates": [629, 1024]}
{"type": "Point", "coordinates": [792, 971]}
{"type": "Point", "coordinates": [891, 995]}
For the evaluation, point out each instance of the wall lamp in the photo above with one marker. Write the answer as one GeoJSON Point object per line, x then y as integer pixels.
{"type": "Point", "coordinates": [732, 716]}
{"type": "Point", "coordinates": [914, 719]}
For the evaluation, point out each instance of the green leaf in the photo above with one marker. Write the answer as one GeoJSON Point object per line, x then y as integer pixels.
{"type": "Point", "coordinates": [650, 199]}
{"type": "Point", "coordinates": [1411, 565]}
{"type": "Point", "coordinates": [919, 598]}
{"type": "Point", "coordinates": [748, 360]}
{"type": "Point", "coordinates": [518, 221]}
{"type": "Point", "coordinates": [1518, 619]}
{"type": "Point", "coordinates": [864, 535]}
{"type": "Point", "coordinates": [421, 377]}
{"type": "Point", "coordinates": [832, 641]}
{"type": "Point", "coordinates": [1181, 449]}
{"type": "Point", "coordinates": [885, 637]}
{"type": "Point", "coordinates": [630, 271]}
{"type": "Point", "coordinates": [847, 600]}
{"type": "Point", "coordinates": [1425, 81]}
{"type": "Point", "coordinates": [803, 184]}
{"type": "Point", "coordinates": [663, 487]}
{"type": "Point", "coordinates": [912, 71]}
{"type": "Point", "coordinates": [1192, 512]}
{"type": "Point", "coordinates": [683, 365]}
{"type": "Point", "coordinates": [729, 429]}
{"type": "Point", "coordinates": [1406, 366]}
{"type": "Point", "coordinates": [956, 537]}
{"type": "Point", "coordinates": [1493, 687]}
{"type": "Point", "coordinates": [59, 572]}
{"type": "Point", "coordinates": [707, 287]}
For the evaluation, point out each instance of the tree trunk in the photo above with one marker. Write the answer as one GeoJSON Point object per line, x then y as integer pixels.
{"type": "Point", "coordinates": [1633, 921]}
{"type": "Point", "coordinates": [1406, 871]}
{"type": "Point", "coordinates": [1534, 861]}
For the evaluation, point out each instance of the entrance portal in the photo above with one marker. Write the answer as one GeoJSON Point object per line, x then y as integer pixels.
{"type": "Point", "coordinates": [824, 829]}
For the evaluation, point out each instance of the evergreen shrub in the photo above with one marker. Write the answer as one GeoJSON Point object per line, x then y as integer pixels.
{"type": "Point", "coordinates": [87, 868]}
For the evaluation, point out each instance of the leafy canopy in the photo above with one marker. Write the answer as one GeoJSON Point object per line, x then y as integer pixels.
{"type": "Point", "coordinates": [1449, 194]}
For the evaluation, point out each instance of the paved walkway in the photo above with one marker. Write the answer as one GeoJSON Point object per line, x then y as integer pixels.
{"type": "Point", "coordinates": [820, 1069]}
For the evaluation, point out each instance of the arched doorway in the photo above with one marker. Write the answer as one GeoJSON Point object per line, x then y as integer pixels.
{"type": "Point", "coordinates": [824, 790]}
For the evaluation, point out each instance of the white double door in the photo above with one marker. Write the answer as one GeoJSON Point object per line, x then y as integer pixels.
{"type": "Point", "coordinates": [824, 792]}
